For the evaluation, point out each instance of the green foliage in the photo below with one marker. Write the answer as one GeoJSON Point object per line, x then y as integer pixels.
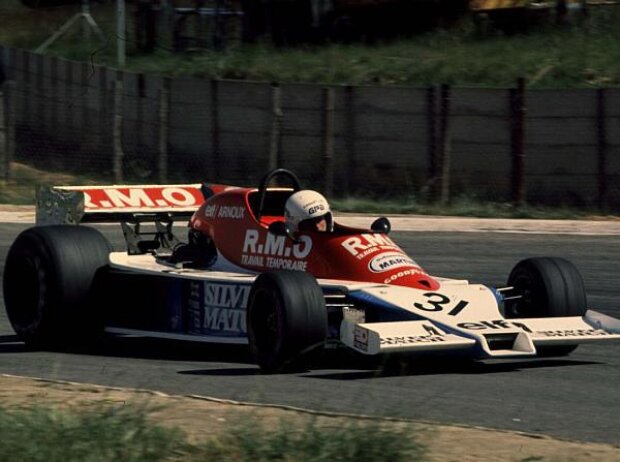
{"type": "Point", "coordinates": [460, 206]}
{"type": "Point", "coordinates": [96, 435]}
{"type": "Point", "coordinates": [580, 54]}
{"type": "Point", "coordinates": [356, 442]}
{"type": "Point", "coordinates": [125, 434]}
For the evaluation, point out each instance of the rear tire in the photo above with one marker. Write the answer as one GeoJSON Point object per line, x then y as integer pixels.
{"type": "Point", "coordinates": [286, 318]}
{"type": "Point", "coordinates": [549, 287]}
{"type": "Point", "coordinates": [49, 280]}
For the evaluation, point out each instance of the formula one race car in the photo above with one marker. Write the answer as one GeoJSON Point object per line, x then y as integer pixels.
{"type": "Point", "coordinates": [269, 267]}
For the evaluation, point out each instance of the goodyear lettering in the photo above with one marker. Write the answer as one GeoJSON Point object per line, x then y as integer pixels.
{"type": "Point", "coordinates": [407, 340]}
{"type": "Point", "coordinates": [355, 245]}
{"type": "Point", "coordinates": [400, 274]}
{"type": "Point", "coordinates": [236, 213]}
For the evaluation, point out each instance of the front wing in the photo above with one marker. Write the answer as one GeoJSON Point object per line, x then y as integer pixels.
{"type": "Point", "coordinates": [498, 338]}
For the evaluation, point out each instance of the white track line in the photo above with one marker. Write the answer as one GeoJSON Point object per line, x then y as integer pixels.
{"type": "Point", "coordinates": [423, 223]}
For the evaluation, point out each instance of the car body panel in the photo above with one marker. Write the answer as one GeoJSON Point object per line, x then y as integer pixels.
{"type": "Point", "coordinates": [386, 302]}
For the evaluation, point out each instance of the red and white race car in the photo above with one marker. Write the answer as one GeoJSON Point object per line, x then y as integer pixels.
{"type": "Point", "coordinates": [244, 275]}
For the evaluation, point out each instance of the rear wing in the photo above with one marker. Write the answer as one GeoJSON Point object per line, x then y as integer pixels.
{"type": "Point", "coordinates": [100, 204]}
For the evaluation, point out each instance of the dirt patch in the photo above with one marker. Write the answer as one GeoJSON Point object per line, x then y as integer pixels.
{"type": "Point", "coordinates": [203, 418]}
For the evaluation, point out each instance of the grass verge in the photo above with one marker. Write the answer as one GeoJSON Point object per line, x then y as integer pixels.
{"type": "Point", "coordinates": [25, 180]}
{"type": "Point", "coordinates": [581, 54]}
{"type": "Point", "coordinates": [100, 434]}
{"type": "Point", "coordinates": [125, 434]}
{"type": "Point", "coordinates": [460, 206]}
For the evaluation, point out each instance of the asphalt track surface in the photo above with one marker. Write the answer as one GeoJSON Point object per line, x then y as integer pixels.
{"type": "Point", "coordinates": [577, 397]}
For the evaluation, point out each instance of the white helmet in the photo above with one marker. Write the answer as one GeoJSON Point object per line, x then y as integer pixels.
{"type": "Point", "coordinates": [304, 208]}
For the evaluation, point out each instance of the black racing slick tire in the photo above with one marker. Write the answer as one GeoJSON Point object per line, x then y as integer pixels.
{"type": "Point", "coordinates": [286, 319]}
{"type": "Point", "coordinates": [546, 288]}
{"type": "Point", "coordinates": [49, 280]}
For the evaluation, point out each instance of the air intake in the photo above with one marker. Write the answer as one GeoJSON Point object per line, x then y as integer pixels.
{"type": "Point", "coordinates": [501, 341]}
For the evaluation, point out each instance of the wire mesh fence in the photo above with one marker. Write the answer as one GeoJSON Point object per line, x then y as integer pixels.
{"type": "Point", "coordinates": [424, 143]}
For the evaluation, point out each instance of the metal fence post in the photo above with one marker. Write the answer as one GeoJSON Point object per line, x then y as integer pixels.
{"type": "Point", "coordinates": [276, 126]}
{"type": "Point", "coordinates": [4, 53]}
{"type": "Point", "coordinates": [328, 140]}
{"type": "Point", "coordinates": [350, 123]}
{"type": "Point", "coordinates": [431, 143]}
{"type": "Point", "coordinates": [445, 143]}
{"type": "Point", "coordinates": [215, 129]}
{"type": "Point", "coordinates": [7, 129]}
{"type": "Point", "coordinates": [164, 119]}
{"type": "Point", "coordinates": [118, 130]}
{"type": "Point", "coordinates": [517, 118]}
{"type": "Point", "coordinates": [601, 132]}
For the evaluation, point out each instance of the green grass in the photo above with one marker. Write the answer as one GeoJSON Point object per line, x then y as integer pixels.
{"type": "Point", "coordinates": [125, 434]}
{"type": "Point", "coordinates": [459, 206]}
{"type": "Point", "coordinates": [356, 442]}
{"type": "Point", "coordinates": [548, 56]}
{"type": "Point", "coordinates": [21, 189]}
{"type": "Point", "coordinates": [100, 434]}
{"type": "Point", "coordinates": [25, 180]}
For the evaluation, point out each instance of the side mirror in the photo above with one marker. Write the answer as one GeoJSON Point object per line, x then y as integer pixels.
{"type": "Point", "coordinates": [381, 225]}
{"type": "Point", "coordinates": [279, 228]}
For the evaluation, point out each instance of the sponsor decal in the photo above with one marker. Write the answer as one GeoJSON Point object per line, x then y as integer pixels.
{"type": "Point", "coordinates": [408, 340]}
{"type": "Point", "coordinates": [275, 252]}
{"type": "Point", "coordinates": [401, 274]}
{"type": "Point", "coordinates": [434, 335]}
{"type": "Point", "coordinates": [314, 209]}
{"type": "Point", "coordinates": [503, 324]}
{"type": "Point", "coordinates": [146, 197]}
{"type": "Point", "coordinates": [496, 324]}
{"type": "Point", "coordinates": [363, 245]}
{"type": "Point", "coordinates": [360, 338]}
{"type": "Point", "coordinates": [388, 261]}
{"type": "Point", "coordinates": [217, 309]}
{"type": "Point", "coordinates": [572, 333]}
{"type": "Point", "coordinates": [236, 213]}
{"type": "Point", "coordinates": [210, 211]}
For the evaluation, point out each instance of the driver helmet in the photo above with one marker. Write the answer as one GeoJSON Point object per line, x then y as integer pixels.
{"type": "Point", "coordinates": [306, 210]}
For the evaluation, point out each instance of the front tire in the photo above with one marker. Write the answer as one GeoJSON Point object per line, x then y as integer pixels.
{"type": "Point", "coordinates": [286, 318]}
{"type": "Point", "coordinates": [49, 280]}
{"type": "Point", "coordinates": [548, 287]}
